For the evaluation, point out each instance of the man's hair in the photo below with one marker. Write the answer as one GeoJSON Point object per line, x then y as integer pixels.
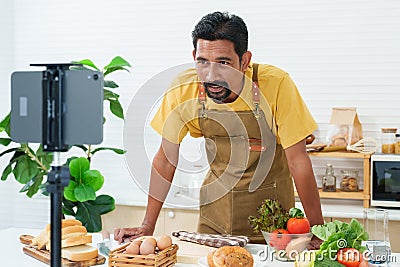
{"type": "Point", "coordinates": [222, 26]}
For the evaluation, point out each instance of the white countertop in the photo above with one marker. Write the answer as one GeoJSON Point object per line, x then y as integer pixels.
{"type": "Point", "coordinates": [12, 255]}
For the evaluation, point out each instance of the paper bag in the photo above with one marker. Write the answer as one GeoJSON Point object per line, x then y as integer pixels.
{"type": "Point", "coordinates": [344, 128]}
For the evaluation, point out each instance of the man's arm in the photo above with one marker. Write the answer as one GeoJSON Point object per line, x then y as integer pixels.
{"type": "Point", "coordinates": [301, 169]}
{"type": "Point", "coordinates": [162, 173]}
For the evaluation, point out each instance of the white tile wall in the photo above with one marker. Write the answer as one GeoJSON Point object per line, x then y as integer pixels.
{"type": "Point", "coordinates": [339, 53]}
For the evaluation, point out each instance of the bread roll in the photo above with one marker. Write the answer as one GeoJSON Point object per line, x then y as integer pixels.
{"type": "Point", "coordinates": [232, 256]}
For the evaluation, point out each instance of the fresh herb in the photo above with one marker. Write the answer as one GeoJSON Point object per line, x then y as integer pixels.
{"type": "Point", "coordinates": [271, 216]}
{"type": "Point", "coordinates": [337, 235]}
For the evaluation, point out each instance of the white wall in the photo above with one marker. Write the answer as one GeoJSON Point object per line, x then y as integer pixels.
{"type": "Point", "coordinates": [340, 53]}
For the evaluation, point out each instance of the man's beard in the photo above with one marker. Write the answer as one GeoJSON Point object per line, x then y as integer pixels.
{"type": "Point", "coordinates": [217, 90]}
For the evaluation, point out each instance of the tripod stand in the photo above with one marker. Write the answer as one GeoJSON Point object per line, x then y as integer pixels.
{"type": "Point", "coordinates": [53, 141]}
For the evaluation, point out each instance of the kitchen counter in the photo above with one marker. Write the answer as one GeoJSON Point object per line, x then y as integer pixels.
{"type": "Point", "coordinates": [12, 254]}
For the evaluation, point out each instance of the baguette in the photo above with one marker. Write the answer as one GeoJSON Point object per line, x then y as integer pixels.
{"type": "Point", "coordinates": [73, 241]}
{"type": "Point", "coordinates": [79, 253]}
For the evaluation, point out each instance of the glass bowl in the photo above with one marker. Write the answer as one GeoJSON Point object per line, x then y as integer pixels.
{"type": "Point", "coordinates": [287, 246]}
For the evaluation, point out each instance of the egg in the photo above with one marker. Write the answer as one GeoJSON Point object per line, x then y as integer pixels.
{"type": "Point", "coordinates": [133, 248]}
{"type": "Point", "coordinates": [147, 247]}
{"type": "Point", "coordinates": [163, 242]}
{"type": "Point", "coordinates": [152, 240]}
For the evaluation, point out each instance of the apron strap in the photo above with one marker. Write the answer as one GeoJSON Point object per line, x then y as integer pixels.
{"type": "Point", "coordinates": [202, 100]}
{"type": "Point", "coordinates": [256, 91]}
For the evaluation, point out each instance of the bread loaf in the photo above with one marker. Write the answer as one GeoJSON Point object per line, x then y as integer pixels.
{"type": "Point", "coordinates": [79, 253]}
{"type": "Point", "coordinates": [73, 241]}
{"type": "Point", "coordinates": [69, 228]}
{"type": "Point", "coordinates": [66, 223]}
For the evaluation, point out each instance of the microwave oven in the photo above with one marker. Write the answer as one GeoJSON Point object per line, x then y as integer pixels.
{"type": "Point", "coordinates": [385, 180]}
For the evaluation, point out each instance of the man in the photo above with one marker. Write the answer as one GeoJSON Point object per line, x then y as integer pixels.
{"type": "Point", "coordinates": [255, 135]}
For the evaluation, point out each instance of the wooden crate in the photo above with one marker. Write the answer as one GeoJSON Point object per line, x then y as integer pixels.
{"type": "Point", "coordinates": [163, 258]}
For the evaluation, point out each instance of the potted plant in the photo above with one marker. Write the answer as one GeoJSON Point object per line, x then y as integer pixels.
{"type": "Point", "coordinates": [29, 164]}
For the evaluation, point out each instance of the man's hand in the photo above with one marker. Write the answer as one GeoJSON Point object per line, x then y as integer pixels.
{"type": "Point", "coordinates": [123, 235]}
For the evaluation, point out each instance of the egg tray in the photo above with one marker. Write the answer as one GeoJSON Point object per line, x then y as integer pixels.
{"type": "Point", "coordinates": [162, 258]}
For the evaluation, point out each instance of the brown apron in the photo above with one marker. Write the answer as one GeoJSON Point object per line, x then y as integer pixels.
{"type": "Point", "coordinates": [246, 167]}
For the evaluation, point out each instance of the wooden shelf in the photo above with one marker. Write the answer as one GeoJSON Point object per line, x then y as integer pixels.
{"type": "Point", "coordinates": [342, 194]}
{"type": "Point", "coordinates": [364, 194]}
{"type": "Point", "coordinates": [340, 154]}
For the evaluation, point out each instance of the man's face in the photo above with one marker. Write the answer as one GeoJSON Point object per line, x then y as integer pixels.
{"type": "Point", "coordinates": [219, 68]}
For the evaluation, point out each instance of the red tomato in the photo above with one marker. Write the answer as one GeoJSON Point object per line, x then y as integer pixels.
{"type": "Point", "coordinates": [349, 257]}
{"type": "Point", "coordinates": [298, 225]}
{"type": "Point", "coordinates": [279, 239]}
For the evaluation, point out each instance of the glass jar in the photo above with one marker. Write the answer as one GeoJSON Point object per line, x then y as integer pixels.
{"type": "Point", "coordinates": [397, 144]}
{"type": "Point", "coordinates": [388, 140]}
{"type": "Point", "coordinates": [350, 180]}
{"type": "Point", "coordinates": [329, 179]}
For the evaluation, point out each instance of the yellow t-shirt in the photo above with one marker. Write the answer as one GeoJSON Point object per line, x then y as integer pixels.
{"type": "Point", "coordinates": [285, 110]}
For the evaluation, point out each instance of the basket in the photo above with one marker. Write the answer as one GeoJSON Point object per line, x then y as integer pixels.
{"type": "Point", "coordinates": [162, 258]}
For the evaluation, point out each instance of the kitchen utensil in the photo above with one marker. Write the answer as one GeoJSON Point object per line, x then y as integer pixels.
{"type": "Point", "coordinates": [104, 246]}
{"type": "Point", "coordinates": [376, 225]}
{"type": "Point", "coordinates": [365, 145]}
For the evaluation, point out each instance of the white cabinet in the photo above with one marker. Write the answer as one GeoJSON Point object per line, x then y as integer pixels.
{"type": "Point", "coordinates": [169, 220]}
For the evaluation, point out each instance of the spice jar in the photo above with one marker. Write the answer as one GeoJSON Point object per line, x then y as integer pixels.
{"type": "Point", "coordinates": [397, 144]}
{"type": "Point", "coordinates": [388, 140]}
{"type": "Point", "coordinates": [329, 179]}
{"type": "Point", "coordinates": [349, 181]}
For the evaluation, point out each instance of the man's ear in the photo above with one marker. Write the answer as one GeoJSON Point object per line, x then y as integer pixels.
{"type": "Point", "coordinates": [194, 54]}
{"type": "Point", "coordinates": [246, 58]}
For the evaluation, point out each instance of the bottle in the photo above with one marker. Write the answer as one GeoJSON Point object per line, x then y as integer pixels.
{"type": "Point", "coordinates": [329, 179]}
{"type": "Point", "coordinates": [349, 181]}
{"type": "Point", "coordinates": [388, 140]}
{"type": "Point", "coordinates": [397, 145]}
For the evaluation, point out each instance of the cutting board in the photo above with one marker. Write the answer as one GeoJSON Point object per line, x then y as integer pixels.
{"type": "Point", "coordinates": [44, 255]}
{"type": "Point", "coordinates": [189, 252]}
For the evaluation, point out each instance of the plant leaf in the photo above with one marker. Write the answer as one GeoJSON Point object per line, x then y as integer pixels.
{"type": "Point", "coordinates": [89, 217]}
{"type": "Point", "coordinates": [93, 178]}
{"type": "Point", "coordinates": [116, 150]}
{"type": "Point", "coordinates": [68, 162]}
{"type": "Point", "coordinates": [89, 212]}
{"type": "Point", "coordinates": [117, 62]}
{"type": "Point", "coordinates": [87, 62]}
{"type": "Point", "coordinates": [25, 169]}
{"type": "Point", "coordinates": [34, 188]}
{"type": "Point", "coordinates": [68, 207]}
{"type": "Point", "coordinates": [5, 141]}
{"type": "Point", "coordinates": [78, 166]}
{"type": "Point", "coordinates": [69, 193]}
{"type": "Point", "coordinates": [116, 108]}
{"type": "Point", "coordinates": [112, 69]}
{"type": "Point", "coordinates": [5, 124]}
{"type": "Point", "coordinates": [10, 150]}
{"type": "Point", "coordinates": [110, 84]}
{"type": "Point", "coordinates": [7, 171]}
{"type": "Point", "coordinates": [84, 193]}
{"type": "Point", "coordinates": [109, 95]}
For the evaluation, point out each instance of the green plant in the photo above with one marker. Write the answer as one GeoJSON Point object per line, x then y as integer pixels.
{"type": "Point", "coordinates": [29, 164]}
{"type": "Point", "coordinates": [270, 216]}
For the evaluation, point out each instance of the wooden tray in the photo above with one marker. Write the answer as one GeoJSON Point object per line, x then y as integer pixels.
{"type": "Point", "coordinates": [44, 255]}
